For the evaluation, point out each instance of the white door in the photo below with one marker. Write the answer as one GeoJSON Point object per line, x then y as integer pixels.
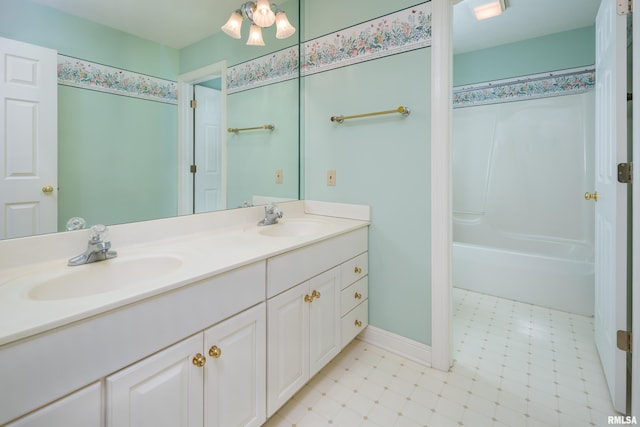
{"type": "Point", "coordinates": [288, 346]}
{"type": "Point", "coordinates": [236, 372]}
{"type": "Point", "coordinates": [611, 205]}
{"type": "Point", "coordinates": [163, 390]}
{"type": "Point", "coordinates": [28, 139]}
{"type": "Point", "coordinates": [209, 194]}
{"type": "Point", "coordinates": [324, 319]}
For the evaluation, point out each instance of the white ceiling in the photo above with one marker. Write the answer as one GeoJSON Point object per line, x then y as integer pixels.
{"type": "Point", "coordinates": [522, 19]}
{"type": "Point", "coordinates": [179, 23]}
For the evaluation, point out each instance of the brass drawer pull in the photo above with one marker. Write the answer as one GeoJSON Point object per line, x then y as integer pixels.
{"type": "Point", "coordinates": [199, 360]}
{"type": "Point", "coordinates": [315, 294]}
{"type": "Point", "coordinates": [215, 352]}
{"type": "Point", "coordinates": [357, 270]}
{"type": "Point", "coordinates": [358, 323]}
{"type": "Point", "coordinates": [308, 299]}
{"type": "Point", "coordinates": [358, 295]}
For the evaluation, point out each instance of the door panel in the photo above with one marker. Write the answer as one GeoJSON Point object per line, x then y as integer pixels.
{"type": "Point", "coordinates": [611, 205]}
{"type": "Point", "coordinates": [28, 139]}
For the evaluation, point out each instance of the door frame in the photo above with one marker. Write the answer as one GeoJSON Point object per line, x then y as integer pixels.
{"type": "Point", "coordinates": [185, 85]}
{"type": "Point", "coordinates": [441, 217]}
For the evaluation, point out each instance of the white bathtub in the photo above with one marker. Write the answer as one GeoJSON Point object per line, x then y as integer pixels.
{"type": "Point", "coordinates": [564, 281]}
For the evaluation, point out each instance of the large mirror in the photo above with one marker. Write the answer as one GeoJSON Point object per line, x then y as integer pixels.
{"type": "Point", "coordinates": [122, 157]}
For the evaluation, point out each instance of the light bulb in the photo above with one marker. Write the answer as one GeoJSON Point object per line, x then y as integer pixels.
{"type": "Point", "coordinates": [233, 25]}
{"type": "Point", "coordinates": [283, 27]}
{"type": "Point", "coordinates": [263, 16]}
{"type": "Point", "coordinates": [255, 36]}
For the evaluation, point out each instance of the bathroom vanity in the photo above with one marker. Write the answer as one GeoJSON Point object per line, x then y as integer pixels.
{"type": "Point", "coordinates": [228, 321]}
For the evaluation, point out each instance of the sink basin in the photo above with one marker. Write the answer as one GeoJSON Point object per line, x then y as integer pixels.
{"type": "Point", "coordinates": [294, 227]}
{"type": "Point", "coordinates": [100, 277]}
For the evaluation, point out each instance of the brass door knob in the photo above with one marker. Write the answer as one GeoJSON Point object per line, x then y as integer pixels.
{"type": "Point", "coordinates": [47, 189]}
{"type": "Point", "coordinates": [591, 196]}
{"type": "Point", "coordinates": [199, 360]}
{"type": "Point", "coordinates": [215, 352]}
{"type": "Point", "coordinates": [358, 295]}
{"type": "Point", "coordinates": [358, 323]}
{"type": "Point", "coordinates": [357, 270]}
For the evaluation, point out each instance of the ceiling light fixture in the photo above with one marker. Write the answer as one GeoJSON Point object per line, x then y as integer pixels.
{"type": "Point", "coordinates": [261, 14]}
{"type": "Point", "coordinates": [489, 10]}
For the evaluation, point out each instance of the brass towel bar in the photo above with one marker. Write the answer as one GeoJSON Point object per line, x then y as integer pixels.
{"type": "Point", "coordinates": [236, 130]}
{"type": "Point", "coordinates": [402, 110]}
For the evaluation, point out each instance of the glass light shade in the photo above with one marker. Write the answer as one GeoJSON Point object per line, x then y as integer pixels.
{"type": "Point", "coordinates": [263, 16]}
{"type": "Point", "coordinates": [283, 27]}
{"type": "Point", "coordinates": [488, 10]}
{"type": "Point", "coordinates": [233, 25]}
{"type": "Point", "coordinates": [255, 36]}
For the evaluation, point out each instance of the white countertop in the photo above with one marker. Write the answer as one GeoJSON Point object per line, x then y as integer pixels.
{"type": "Point", "coordinates": [233, 241]}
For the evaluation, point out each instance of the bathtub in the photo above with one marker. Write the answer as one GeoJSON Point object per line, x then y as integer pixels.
{"type": "Point", "coordinates": [562, 281]}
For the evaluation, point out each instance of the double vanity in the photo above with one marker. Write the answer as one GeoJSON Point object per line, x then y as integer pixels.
{"type": "Point", "coordinates": [207, 320]}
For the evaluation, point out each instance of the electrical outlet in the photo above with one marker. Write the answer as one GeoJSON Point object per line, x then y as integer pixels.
{"type": "Point", "coordinates": [278, 176]}
{"type": "Point", "coordinates": [331, 177]}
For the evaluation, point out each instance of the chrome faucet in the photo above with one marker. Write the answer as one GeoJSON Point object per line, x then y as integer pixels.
{"type": "Point", "coordinates": [271, 215]}
{"type": "Point", "coordinates": [97, 249]}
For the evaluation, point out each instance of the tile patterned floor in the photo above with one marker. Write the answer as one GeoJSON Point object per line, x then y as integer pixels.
{"type": "Point", "coordinates": [515, 365]}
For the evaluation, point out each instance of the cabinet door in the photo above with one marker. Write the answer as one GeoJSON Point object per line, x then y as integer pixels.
{"type": "Point", "coordinates": [287, 345]}
{"type": "Point", "coordinates": [235, 374]}
{"type": "Point", "coordinates": [324, 319]}
{"type": "Point", "coordinates": [82, 408]}
{"type": "Point", "coordinates": [162, 390]}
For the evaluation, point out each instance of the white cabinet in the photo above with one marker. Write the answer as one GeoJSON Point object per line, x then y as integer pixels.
{"type": "Point", "coordinates": [235, 371]}
{"type": "Point", "coordinates": [304, 335]}
{"type": "Point", "coordinates": [214, 378]}
{"type": "Point", "coordinates": [162, 390]}
{"type": "Point", "coordinates": [82, 408]}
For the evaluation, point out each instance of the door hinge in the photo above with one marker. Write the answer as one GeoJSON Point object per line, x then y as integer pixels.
{"type": "Point", "coordinates": [194, 104]}
{"type": "Point", "coordinates": [624, 7]}
{"type": "Point", "coordinates": [193, 169]}
{"type": "Point", "coordinates": [625, 173]}
{"type": "Point", "coordinates": [623, 340]}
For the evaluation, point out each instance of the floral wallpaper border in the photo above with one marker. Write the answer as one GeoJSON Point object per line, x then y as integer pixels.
{"type": "Point", "coordinates": [401, 31]}
{"type": "Point", "coordinates": [89, 75]}
{"type": "Point", "coordinates": [273, 68]}
{"type": "Point", "coordinates": [557, 83]}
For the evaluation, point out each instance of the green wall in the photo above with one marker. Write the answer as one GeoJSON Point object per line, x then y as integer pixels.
{"type": "Point", "coordinates": [569, 49]}
{"type": "Point", "coordinates": [116, 160]}
{"type": "Point", "coordinates": [382, 162]}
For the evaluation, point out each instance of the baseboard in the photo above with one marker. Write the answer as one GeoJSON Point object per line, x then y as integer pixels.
{"type": "Point", "coordinates": [405, 347]}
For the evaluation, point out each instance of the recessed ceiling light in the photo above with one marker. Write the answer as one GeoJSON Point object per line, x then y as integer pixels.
{"type": "Point", "coordinates": [489, 10]}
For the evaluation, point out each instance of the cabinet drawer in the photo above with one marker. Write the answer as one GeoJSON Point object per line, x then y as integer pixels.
{"type": "Point", "coordinates": [354, 295]}
{"type": "Point", "coordinates": [354, 322]}
{"type": "Point", "coordinates": [354, 269]}
{"type": "Point", "coordinates": [289, 269]}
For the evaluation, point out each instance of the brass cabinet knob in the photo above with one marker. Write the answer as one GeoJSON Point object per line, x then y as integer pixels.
{"type": "Point", "coordinates": [47, 189]}
{"type": "Point", "coordinates": [315, 294]}
{"type": "Point", "coordinates": [308, 299]}
{"type": "Point", "coordinates": [358, 323]}
{"type": "Point", "coordinates": [358, 295]}
{"type": "Point", "coordinates": [357, 270]}
{"type": "Point", "coordinates": [199, 360]}
{"type": "Point", "coordinates": [591, 196]}
{"type": "Point", "coordinates": [215, 352]}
